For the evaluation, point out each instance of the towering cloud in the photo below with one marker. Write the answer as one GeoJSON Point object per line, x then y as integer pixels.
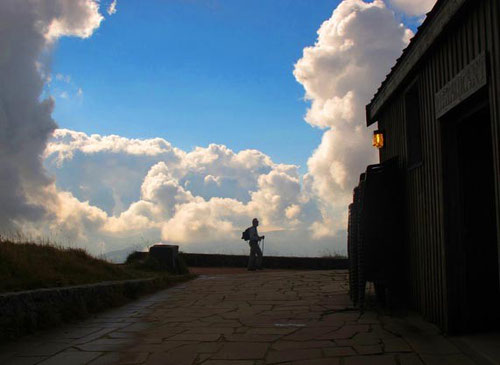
{"type": "Point", "coordinates": [27, 29]}
{"type": "Point", "coordinates": [354, 51]}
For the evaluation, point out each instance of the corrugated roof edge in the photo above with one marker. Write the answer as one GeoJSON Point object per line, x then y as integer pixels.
{"type": "Point", "coordinates": [413, 43]}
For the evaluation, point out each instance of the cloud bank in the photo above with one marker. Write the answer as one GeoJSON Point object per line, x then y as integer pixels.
{"type": "Point", "coordinates": [110, 191]}
{"type": "Point", "coordinates": [201, 199]}
{"type": "Point", "coordinates": [28, 30]}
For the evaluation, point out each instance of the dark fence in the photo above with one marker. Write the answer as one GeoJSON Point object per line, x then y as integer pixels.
{"type": "Point", "coordinates": [375, 234]}
{"type": "Point", "coordinates": [270, 262]}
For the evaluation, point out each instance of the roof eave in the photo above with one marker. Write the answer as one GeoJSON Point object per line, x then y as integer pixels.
{"type": "Point", "coordinates": [437, 19]}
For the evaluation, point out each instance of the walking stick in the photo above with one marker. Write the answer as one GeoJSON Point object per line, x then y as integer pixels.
{"type": "Point", "coordinates": [262, 259]}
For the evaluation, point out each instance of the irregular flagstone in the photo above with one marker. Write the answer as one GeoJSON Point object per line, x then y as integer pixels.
{"type": "Point", "coordinates": [242, 351]}
{"type": "Point", "coordinates": [78, 332]}
{"type": "Point", "coordinates": [432, 345]}
{"type": "Point", "coordinates": [396, 345]}
{"type": "Point", "coordinates": [283, 318]}
{"type": "Point", "coordinates": [382, 333]}
{"type": "Point", "coordinates": [104, 344]}
{"type": "Point", "coordinates": [71, 357]}
{"type": "Point", "coordinates": [217, 330]}
{"type": "Point", "coordinates": [306, 334]}
{"type": "Point", "coordinates": [198, 337]}
{"type": "Point", "coordinates": [285, 345]}
{"type": "Point", "coordinates": [120, 358]}
{"type": "Point", "coordinates": [25, 360]}
{"type": "Point", "coordinates": [368, 318]}
{"type": "Point", "coordinates": [228, 362]}
{"type": "Point", "coordinates": [329, 361]}
{"type": "Point", "coordinates": [366, 338]}
{"type": "Point", "coordinates": [271, 330]}
{"type": "Point", "coordinates": [339, 351]}
{"type": "Point", "coordinates": [171, 358]}
{"type": "Point", "coordinates": [274, 357]}
{"type": "Point", "coordinates": [202, 348]}
{"type": "Point", "coordinates": [454, 359]}
{"type": "Point", "coordinates": [248, 337]}
{"type": "Point", "coordinates": [345, 343]}
{"type": "Point", "coordinates": [137, 327]}
{"type": "Point", "coordinates": [121, 335]}
{"type": "Point", "coordinates": [47, 349]}
{"type": "Point", "coordinates": [368, 349]}
{"type": "Point", "coordinates": [410, 359]}
{"type": "Point", "coordinates": [371, 360]}
{"type": "Point", "coordinates": [161, 347]}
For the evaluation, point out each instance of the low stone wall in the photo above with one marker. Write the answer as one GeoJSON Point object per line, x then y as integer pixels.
{"type": "Point", "coordinates": [27, 311]}
{"type": "Point", "coordinates": [270, 262]}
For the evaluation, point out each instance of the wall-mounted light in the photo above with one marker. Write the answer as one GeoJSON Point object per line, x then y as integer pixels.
{"type": "Point", "coordinates": [378, 139]}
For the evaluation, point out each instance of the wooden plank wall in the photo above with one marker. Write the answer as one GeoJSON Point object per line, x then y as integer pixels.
{"type": "Point", "coordinates": [475, 32]}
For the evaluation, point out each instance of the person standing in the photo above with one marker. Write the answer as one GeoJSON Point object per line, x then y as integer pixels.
{"type": "Point", "coordinates": [255, 258]}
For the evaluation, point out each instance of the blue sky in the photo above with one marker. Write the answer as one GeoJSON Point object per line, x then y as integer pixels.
{"type": "Point", "coordinates": [194, 73]}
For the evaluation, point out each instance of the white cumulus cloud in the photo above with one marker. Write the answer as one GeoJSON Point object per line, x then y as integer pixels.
{"type": "Point", "coordinates": [201, 199]}
{"type": "Point", "coordinates": [354, 50]}
{"type": "Point", "coordinates": [112, 8]}
{"type": "Point", "coordinates": [413, 7]}
{"type": "Point", "coordinates": [79, 18]}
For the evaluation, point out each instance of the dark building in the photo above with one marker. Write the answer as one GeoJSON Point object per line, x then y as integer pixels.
{"type": "Point", "coordinates": [439, 113]}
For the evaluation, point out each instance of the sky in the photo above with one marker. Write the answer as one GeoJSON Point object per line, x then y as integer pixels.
{"type": "Point", "coordinates": [198, 72]}
{"type": "Point", "coordinates": [132, 122]}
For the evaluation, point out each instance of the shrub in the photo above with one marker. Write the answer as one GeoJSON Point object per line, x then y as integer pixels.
{"type": "Point", "coordinates": [182, 267]}
{"type": "Point", "coordinates": [136, 256]}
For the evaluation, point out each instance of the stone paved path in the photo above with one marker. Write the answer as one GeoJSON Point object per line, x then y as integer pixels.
{"type": "Point", "coordinates": [285, 317]}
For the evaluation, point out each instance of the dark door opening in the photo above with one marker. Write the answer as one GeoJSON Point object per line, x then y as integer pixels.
{"type": "Point", "coordinates": [470, 215]}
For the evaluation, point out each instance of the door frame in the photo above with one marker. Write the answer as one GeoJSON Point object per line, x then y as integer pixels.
{"type": "Point", "coordinates": [454, 245]}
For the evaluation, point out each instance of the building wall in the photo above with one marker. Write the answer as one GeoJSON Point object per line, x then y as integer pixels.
{"type": "Point", "coordinates": [476, 30]}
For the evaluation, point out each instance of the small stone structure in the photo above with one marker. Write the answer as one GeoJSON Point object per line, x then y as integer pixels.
{"type": "Point", "coordinates": [166, 255]}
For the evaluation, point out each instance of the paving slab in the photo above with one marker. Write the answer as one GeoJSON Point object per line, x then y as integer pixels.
{"type": "Point", "coordinates": [275, 357]}
{"type": "Point", "coordinates": [241, 318]}
{"type": "Point", "coordinates": [71, 357]}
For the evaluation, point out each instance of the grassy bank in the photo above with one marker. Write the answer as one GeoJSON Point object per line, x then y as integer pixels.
{"type": "Point", "coordinates": [25, 266]}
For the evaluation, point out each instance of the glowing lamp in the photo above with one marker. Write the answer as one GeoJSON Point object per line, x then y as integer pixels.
{"type": "Point", "coordinates": [378, 139]}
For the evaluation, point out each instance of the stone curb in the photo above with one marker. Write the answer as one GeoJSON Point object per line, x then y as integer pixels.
{"type": "Point", "coordinates": [27, 311]}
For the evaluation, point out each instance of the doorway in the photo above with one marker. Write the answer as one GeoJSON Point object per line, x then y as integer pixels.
{"type": "Point", "coordinates": [470, 218]}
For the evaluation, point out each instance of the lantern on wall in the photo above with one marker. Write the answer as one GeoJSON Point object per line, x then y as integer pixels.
{"type": "Point", "coordinates": [378, 139]}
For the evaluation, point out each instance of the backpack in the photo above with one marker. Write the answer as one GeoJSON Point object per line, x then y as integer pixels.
{"type": "Point", "coordinates": [246, 234]}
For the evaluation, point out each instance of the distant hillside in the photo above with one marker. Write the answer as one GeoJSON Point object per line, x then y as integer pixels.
{"type": "Point", "coordinates": [30, 266]}
{"type": "Point", "coordinates": [119, 256]}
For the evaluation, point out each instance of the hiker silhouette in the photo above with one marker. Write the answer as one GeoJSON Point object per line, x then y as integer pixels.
{"type": "Point", "coordinates": [255, 257]}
